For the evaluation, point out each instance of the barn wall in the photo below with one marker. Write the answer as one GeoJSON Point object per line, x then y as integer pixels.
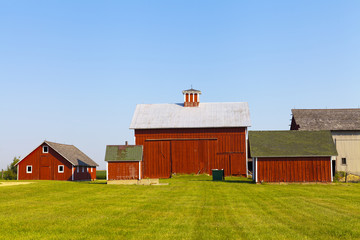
{"type": "Point", "coordinates": [348, 146]}
{"type": "Point", "coordinates": [84, 173]}
{"type": "Point", "coordinates": [44, 166]}
{"type": "Point", "coordinates": [297, 169]}
{"type": "Point", "coordinates": [93, 173]}
{"type": "Point", "coordinates": [169, 151]}
{"type": "Point", "coordinates": [123, 170]}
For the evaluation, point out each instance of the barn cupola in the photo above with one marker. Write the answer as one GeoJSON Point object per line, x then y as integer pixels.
{"type": "Point", "coordinates": [191, 97]}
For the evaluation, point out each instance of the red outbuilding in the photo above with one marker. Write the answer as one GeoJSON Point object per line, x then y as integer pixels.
{"type": "Point", "coordinates": [55, 161]}
{"type": "Point", "coordinates": [123, 162]}
{"type": "Point", "coordinates": [292, 156]}
{"type": "Point", "coordinates": [192, 137]}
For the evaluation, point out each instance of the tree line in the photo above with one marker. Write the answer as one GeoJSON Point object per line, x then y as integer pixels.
{"type": "Point", "coordinates": [11, 171]}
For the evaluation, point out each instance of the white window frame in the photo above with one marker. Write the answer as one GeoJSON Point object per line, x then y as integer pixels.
{"type": "Point", "coordinates": [83, 169]}
{"type": "Point", "coordinates": [43, 149]}
{"type": "Point", "coordinates": [91, 169]}
{"type": "Point", "coordinates": [27, 171]}
{"type": "Point", "coordinates": [63, 168]}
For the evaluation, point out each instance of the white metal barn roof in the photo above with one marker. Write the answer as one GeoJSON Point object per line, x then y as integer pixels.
{"type": "Point", "coordinates": [206, 115]}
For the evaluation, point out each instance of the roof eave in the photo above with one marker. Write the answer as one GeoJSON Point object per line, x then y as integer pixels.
{"type": "Point", "coordinates": [242, 126]}
{"type": "Point", "coordinates": [123, 160]}
{"type": "Point", "coordinates": [331, 155]}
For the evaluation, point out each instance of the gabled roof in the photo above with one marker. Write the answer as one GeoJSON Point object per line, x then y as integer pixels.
{"type": "Point", "coordinates": [327, 119]}
{"type": "Point", "coordinates": [206, 115]}
{"type": "Point", "coordinates": [291, 144]}
{"type": "Point", "coordinates": [118, 153]}
{"type": "Point", "coordinates": [72, 154]}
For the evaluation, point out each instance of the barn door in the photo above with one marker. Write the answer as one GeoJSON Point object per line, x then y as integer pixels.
{"type": "Point", "coordinates": [191, 156]}
{"type": "Point", "coordinates": [45, 170]}
{"type": "Point", "coordinates": [185, 156]}
{"type": "Point", "coordinates": [157, 159]}
{"type": "Point", "coordinates": [207, 150]}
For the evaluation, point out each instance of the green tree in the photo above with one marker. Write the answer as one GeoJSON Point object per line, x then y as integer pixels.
{"type": "Point", "coordinates": [11, 171]}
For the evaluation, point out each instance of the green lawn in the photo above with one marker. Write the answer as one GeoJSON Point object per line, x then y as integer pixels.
{"type": "Point", "coordinates": [190, 207]}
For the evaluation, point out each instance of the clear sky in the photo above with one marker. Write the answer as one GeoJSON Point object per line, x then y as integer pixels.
{"type": "Point", "coordinates": [73, 71]}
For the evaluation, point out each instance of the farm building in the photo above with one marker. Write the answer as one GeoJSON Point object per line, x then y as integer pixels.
{"type": "Point", "coordinates": [192, 137]}
{"type": "Point", "coordinates": [291, 156]}
{"type": "Point", "coordinates": [344, 125]}
{"type": "Point", "coordinates": [123, 162]}
{"type": "Point", "coordinates": [55, 161]}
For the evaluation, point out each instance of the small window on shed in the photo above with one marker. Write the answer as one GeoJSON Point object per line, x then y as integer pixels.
{"type": "Point", "coordinates": [29, 169]}
{"type": "Point", "coordinates": [61, 168]}
{"type": "Point", "coordinates": [45, 149]}
{"type": "Point", "coordinates": [343, 161]}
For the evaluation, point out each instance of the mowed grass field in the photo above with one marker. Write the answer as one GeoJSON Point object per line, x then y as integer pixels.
{"type": "Point", "coordinates": [190, 207]}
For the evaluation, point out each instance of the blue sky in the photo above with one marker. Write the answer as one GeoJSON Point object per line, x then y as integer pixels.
{"type": "Point", "coordinates": [73, 71]}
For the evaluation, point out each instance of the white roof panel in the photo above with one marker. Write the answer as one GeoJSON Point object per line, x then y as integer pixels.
{"type": "Point", "coordinates": [207, 115]}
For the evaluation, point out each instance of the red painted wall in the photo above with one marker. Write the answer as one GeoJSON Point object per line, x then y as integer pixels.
{"type": "Point", "coordinates": [168, 151]}
{"type": "Point", "coordinates": [84, 173]}
{"type": "Point", "coordinates": [123, 170]}
{"type": "Point", "coordinates": [45, 167]}
{"type": "Point", "coordinates": [297, 169]}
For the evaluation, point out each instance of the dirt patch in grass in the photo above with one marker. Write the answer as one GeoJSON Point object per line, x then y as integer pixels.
{"type": "Point", "coordinates": [3, 184]}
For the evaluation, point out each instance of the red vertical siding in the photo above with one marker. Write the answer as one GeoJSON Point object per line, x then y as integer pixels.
{"type": "Point", "coordinates": [123, 170]}
{"type": "Point", "coordinates": [296, 169]}
{"type": "Point", "coordinates": [157, 163]}
{"type": "Point", "coordinates": [169, 151]}
{"type": "Point", "coordinates": [93, 173]}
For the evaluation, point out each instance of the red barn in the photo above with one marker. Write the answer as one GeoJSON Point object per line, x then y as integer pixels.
{"type": "Point", "coordinates": [192, 137]}
{"type": "Point", "coordinates": [123, 162]}
{"type": "Point", "coordinates": [55, 161]}
{"type": "Point", "coordinates": [291, 156]}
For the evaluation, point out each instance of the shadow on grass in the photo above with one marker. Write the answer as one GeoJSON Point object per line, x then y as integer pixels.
{"type": "Point", "coordinates": [98, 182]}
{"type": "Point", "coordinates": [240, 181]}
{"type": "Point", "coordinates": [226, 181]}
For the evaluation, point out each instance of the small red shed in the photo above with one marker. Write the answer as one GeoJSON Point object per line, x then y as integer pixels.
{"type": "Point", "coordinates": [192, 137]}
{"type": "Point", "coordinates": [291, 156]}
{"type": "Point", "coordinates": [55, 161]}
{"type": "Point", "coordinates": [123, 162]}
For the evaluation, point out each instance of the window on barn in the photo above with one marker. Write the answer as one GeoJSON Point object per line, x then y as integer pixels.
{"type": "Point", "coordinates": [29, 169]}
{"type": "Point", "coordinates": [83, 168]}
{"type": "Point", "coordinates": [343, 161]}
{"type": "Point", "coordinates": [77, 168]}
{"type": "Point", "coordinates": [45, 149]}
{"type": "Point", "coordinates": [60, 168]}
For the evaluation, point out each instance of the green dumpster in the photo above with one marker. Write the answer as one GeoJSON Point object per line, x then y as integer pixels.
{"type": "Point", "coordinates": [218, 174]}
